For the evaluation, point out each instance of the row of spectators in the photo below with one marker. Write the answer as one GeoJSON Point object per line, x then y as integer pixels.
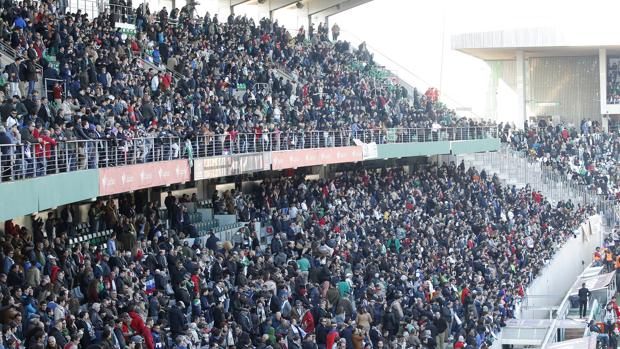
{"type": "Point", "coordinates": [368, 259]}
{"type": "Point", "coordinates": [216, 78]}
{"type": "Point", "coordinates": [613, 81]}
{"type": "Point", "coordinates": [586, 156]}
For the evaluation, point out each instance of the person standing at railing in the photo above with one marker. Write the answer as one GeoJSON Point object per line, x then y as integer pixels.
{"type": "Point", "coordinates": [28, 140]}
{"type": "Point", "coordinates": [584, 295]}
{"type": "Point", "coordinates": [45, 113]}
{"type": "Point", "coordinates": [43, 151]}
{"type": "Point", "coordinates": [81, 129]}
{"type": "Point", "coordinates": [59, 152]}
{"type": "Point", "coordinates": [12, 70]}
{"type": "Point", "coordinates": [5, 156]}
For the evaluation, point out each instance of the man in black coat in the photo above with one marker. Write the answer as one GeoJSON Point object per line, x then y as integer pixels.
{"type": "Point", "coordinates": [45, 113]}
{"type": "Point", "coordinates": [276, 244]}
{"type": "Point", "coordinates": [5, 157]}
{"type": "Point", "coordinates": [118, 333]}
{"type": "Point", "coordinates": [584, 295]}
{"type": "Point", "coordinates": [177, 319]}
{"type": "Point", "coordinates": [56, 332]}
{"type": "Point", "coordinates": [212, 241]}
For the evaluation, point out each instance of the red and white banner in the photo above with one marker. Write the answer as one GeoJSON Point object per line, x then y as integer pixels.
{"type": "Point", "coordinates": [312, 157]}
{"type": "Point", "coordinates": [122, 179]}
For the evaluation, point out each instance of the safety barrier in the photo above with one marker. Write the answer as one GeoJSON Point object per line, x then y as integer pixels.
{"type": "Point", "coordinates": [27, 160]}
{"type": "Point", "coordinates": [556, 186]}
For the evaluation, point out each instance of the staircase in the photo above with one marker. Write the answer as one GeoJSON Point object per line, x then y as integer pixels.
{"type": "Point", "coordinates": [492, 164]}
{"type": "Point", "coordinates": [513, 168]}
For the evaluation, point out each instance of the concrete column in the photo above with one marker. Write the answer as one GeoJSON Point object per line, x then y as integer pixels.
{"type": "Point", "coordinates": [521, 85]}
{"type": "Point", "coordinates": [602, 68]}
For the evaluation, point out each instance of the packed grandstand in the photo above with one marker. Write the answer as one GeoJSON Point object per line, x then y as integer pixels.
{"type": "Point", "coordinates": [427, 255]}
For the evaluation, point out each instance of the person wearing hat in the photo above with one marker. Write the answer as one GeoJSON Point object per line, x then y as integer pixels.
{"type": "Point", "coordinates": [460, 343]}
{"type": "Point", "coordinates": [136, 342]}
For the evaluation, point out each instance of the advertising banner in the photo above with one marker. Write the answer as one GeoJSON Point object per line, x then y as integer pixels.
{"type": "Point", "coordinates": [312, 157]}
{"type": "Point", "coordinates": [231, 165]}
{"type": "Point", "coordinates": [122, 179]}
{"type": "Point", "coordinates": [370, 150]}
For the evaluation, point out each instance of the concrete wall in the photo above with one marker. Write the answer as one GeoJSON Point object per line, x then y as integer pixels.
{"type": "Point", "coordinates": [25, 197]}
{"type": "Point", "coordinates": [572, 82]}
{"type": "Point", "coordinates": [397, 150]}
{"type": "Point", "coordinates": [474, 146]}
{"type": "Point", "coordinates": [567, 87]}
{"type": "Point", "coordinates": [501, 96]}
{"type": "Point", "coordinates": [550, 287]}
{"type": "Point", "coordinates": [413, 149]}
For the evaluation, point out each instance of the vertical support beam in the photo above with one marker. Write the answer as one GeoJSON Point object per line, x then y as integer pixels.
{"type": "Point", "coordinates": [602, 69]}
{"type": "Point", "coordinates": [520, 78]}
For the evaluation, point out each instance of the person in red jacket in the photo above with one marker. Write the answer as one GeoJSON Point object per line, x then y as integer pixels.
{"type": "Point", "coordinates": [332, 336]}
{"type": "Point", "coordinates": [307, 322]}
{"type": "Point", "coordinates": [43, 151]}
{"type": "Point", "coordinates": [57, 93]}
{"type": "Point", "coordinates": [137, 324]}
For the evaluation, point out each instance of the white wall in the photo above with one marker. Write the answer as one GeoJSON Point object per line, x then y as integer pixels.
{"type": "Point", "coordinates": [560, 274]}
{"type": "Point", "coordinates": [292, 18]}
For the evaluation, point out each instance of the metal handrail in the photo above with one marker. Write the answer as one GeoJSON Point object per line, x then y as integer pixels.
{"type": "Point", "coordinates": [561, 313]}
{"type": "Point", "coordinates": [47, 91]}
{"type": "Point", "coordinates": [21, 161]}
{"type": "Point", "coordinates": [13, 54]}
{"type": "Point", "coordinates": [163, 68]}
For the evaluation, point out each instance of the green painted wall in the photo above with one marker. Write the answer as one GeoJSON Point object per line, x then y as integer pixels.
{"type": "Point", "coordinates": [27, 196]}
{"type": "Point", "coordinates": [475, 146]}
{"type": "Point", "coordinates": [397, 150]}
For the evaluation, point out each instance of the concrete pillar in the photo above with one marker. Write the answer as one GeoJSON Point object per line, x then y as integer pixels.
{"type": "Point", "coordinates": [202, 190]}
{"type": "Point", "coordinates": [324, 171]}
{"type": "Point", "coordinates": [521, 85]}
{"type": "Point", "coordinates": [602, 68]}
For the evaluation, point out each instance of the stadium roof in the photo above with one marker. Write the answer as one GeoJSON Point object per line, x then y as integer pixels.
{"type": "Point", "coordinates": [535, 42]}
{"type": "Point", "coordinates": [594, 283]}
{"type": "Point", "coordinates": [324, 8]}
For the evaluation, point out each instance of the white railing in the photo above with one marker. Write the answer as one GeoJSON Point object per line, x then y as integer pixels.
{"type": "Point", "coordinates": [21, 161]}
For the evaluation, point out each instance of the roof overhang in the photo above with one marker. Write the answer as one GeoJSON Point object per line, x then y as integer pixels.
{"type": "Point", "coordinates": [534, 42]}
{"type": "Point", "coordinates": [594, 283]}
{"type": "Point", "coordinates": [325, 8]}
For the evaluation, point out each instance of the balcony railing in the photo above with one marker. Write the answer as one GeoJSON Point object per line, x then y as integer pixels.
{"type": "Point", "coordinates": [22, 161]}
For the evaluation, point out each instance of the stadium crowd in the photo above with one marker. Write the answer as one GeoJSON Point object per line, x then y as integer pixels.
{"type": "Point", "coordinates": [370, 260]}
{"type": "Point", "coordinates": [586, 156]}
{"type": "Point", "coordinates": [208, 79]}
{"type": "Point", "coordinates": [386, 259]}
